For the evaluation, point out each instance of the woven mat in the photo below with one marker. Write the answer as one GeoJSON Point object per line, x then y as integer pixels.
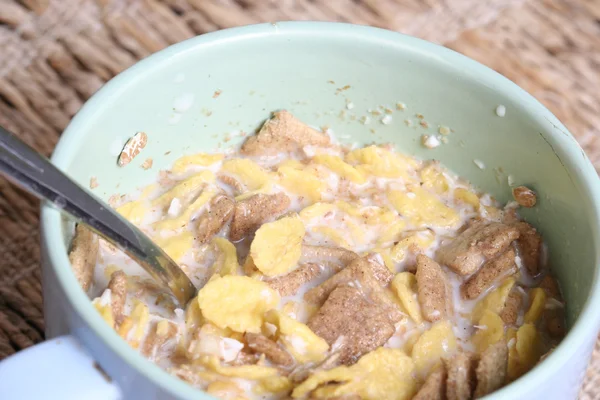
{"type": "Point", "coordinates": [57, 53]}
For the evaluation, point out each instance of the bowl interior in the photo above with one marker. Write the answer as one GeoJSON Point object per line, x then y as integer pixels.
{"type": "Point", "coordinates": [192, 97]}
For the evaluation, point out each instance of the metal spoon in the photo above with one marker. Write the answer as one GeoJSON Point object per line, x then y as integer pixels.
{"type": "Point", "coordinates": [34, 172]}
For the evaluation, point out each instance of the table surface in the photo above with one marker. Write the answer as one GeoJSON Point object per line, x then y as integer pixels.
{"type": "Point", "coordinates": [57, 53]}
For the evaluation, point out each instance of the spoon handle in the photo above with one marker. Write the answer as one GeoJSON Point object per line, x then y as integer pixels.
{"type": "Point", "coordinates": [34, 172]}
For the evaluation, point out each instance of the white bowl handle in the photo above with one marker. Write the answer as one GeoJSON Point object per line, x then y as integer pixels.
{"type": "Point", "coordinates": [58, 369]}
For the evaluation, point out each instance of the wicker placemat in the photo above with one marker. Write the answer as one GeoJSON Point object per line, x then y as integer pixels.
{"type": "Point", "coordinates": [57, 53]}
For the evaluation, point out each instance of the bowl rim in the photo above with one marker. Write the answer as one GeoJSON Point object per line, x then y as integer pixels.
{"type": "Point", "coordinates": [564, 145]}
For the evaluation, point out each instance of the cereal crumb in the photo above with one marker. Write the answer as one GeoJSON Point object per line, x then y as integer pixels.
{"type": "Point", "coordinates": [386, 120]}
{"type": "Point", "coordinates": [365, 120]}
{"type": "Point", "coordinates": [408, 122]}
{"type": "Point", "coordinates": [524, 196]}
{"type": "Point", "coordinates": [444, 130]}
{"type": "Point", "coordinates": [375, 112]}
{"type": "Point", "coordinates": [217, 93]}
{"type": "Point", "coordinates": [479, 164]}
{"type": "Point", "coordinates": [132, 148]}
{"type": "Point", "coordinates": [342, 89]}
{"type": "Point", "coordinates": [501, 111]}
{"type": "Point", "coordinates": [400, 106]}
{"type": "Point", "coordinates": [430, 141]}
{"type": "Point", "coordinates": [444, 139]}
{"type": "Point", "coordinates": [424, 124]}
{"type": "Point", "coordinates": [350, 105]}
{"type": "Point", "coordinates": [147, 164]}
{"type": "Point", "coordinates": [388, 110]}
{"type": "Point", "coordinates": [93, 182]}
{"type": "Point", "coordinates": [420, 116]}
{"type": "Point", "coordinates": [331, 82]}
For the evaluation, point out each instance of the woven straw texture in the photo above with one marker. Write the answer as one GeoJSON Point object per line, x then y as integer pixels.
{"type": "Point", "coordinates": [57, 53]}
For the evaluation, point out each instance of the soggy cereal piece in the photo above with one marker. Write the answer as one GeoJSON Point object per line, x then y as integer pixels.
{"type": "Point", "coordinates": [288, 284]}
{"type": "Point", "coordinates": [210, 222]}
{"type": "Point", "coordinates": [491, 369]}
{"type": "Point", "coordinates": [364, 270]}
{"type": "Point", "coordinates": [226, 390]}
{"type": "Point", "coordinates": [331, 257]}
{"type": "Point", "coordinates": [502, 266]}
{"type": "Point", "coordinates": [537, 298]}
{"type": "Point", "coordinates": [524, 196]}
{"type": "Point", "coordinates": [530, 247]}
{"type": "Point", "coordinates": [277, 246]}
{"type": "Point", "coordinates": [550, 286]}
{"type": "Point", "coordinates": [461, 376]}
{"type": "Point", "coordinates": [434, 387]}
{"type": "Point", "coordinates": [510, 312]}
{"type": "Point", "coordinates": [273, 351]}
{"type": "Point", "coordinates": [490, 330]}
{"type": "Point", "coordinates": [158, 337]}
{"type": "Point", "coordinates": [465, 254]}
{"type": "Point", "coordinates": [252, 212]}
{"type": "Point", "coordinates": [433, 346]}
{"type": "Point", "coordinates": [236, 185]}
{"type": "Point", "coordinates": [283, 132]}
{"type": "Point", "coordinates": [433, 289]}
{"type": "Point", "coordinates": [236, 302]}
{"type": "Point", "coordinates": [405, 286]}
{"type": "Point", "coordinates": [83, 255]}
{"type": "Point", "coordinates": [363, 324]}
{"type": "Point", "coordinates": [118, 295]}
{"type": "Point", "coordinates": [494, 301]}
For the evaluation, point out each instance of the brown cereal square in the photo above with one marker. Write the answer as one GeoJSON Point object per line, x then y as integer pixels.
{"type": "Point", "coordinates": [288, 284]}
{"type": "Point", "coordinates": [433, 289]}
{"type": "Point", "coordinates": [210, 222]}
{"type": "Point", "coordinates": [273, 351]}
{"type": "Point", "coordinates": [461, 376]}
{"type": "Point", "coordinates": [434, 387]}
{"type": "Point", "coordinates": [491, 369]}
{"type": "Point", "coordinates": [252, 212]}
{"type": "Point", "coordinates": [501, 266]}
{"type": "Point", "coordinates": [83, 255]}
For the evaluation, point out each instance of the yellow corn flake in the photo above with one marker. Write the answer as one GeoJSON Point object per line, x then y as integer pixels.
{"type": "Point", "coordinates": [272, 385]}
{"type": "Point", "coordinates": [337, 165]}
{"type": "Point", "coordinates": [236, 302]}
{"type": "Point", "coordinates": [291, 163]}
{"type": "Point", "coordinates": [422, 240]}
{"type": "Point", "coordinates": [423, 208]}
{"type": "Point", "coordinates": [267, 188]}
{"type": "Point", "coordinates": [226, 390]}
{"type": "Point", "coordinates": [302, 182]}
{"type": "Point", "coordinates": [184, 189]}
{"type": "Point", "coordinates": [377, 161]}
{"type": "Point", "coordinates": [186, 216]}
{"type": "Point", "coordinates": [317, 210]}
{"type": "Point", "coordinates": [193, 316]}
{"type": "Point", "coordinates": [382, 215]}
{"type": "Point", "coordinates": [490, 331]}
{"type": "Point", "coordinates": [200, 159]}
{"type": "Point", "coordinates": [538, 301]}
{"type": "Point", "coordinates": [277, 246]}
{"type": "Point", "coordinates": [176, 246]}
{"type": "Point", "coordinates": [297, 338]}
{"type": "Point", "coordinates": [528, 345]}
{"type": "Point", "coordinates": [390, 232]}
{"type": "Point", "coordinates": [438, 342]}
{"type": "Point", "coordinates": [229, 261]}
{"type": "Point", "coordinates": [332, 235]}
{"type": "Point", "coordinates": [105, 312]}
{"type": "Point", "coordinates": [467, 197]}
{"type": "Point", "coordinates": [433, 179]}
{"type": "Point", "coordinates": [252, 372]}
{"type": "Point", "coordinates": [250, 174]}
{"type": "Point", "coordinates": [513, 368]}
{"type": "Point", "coordinates": [383, 374]}
{"type": "Point", "coordinates": [405, 286]}
{"type": "Point", "coordinates": [291, 309]}
{"type": "Point", "coordinates": [140, 317]}
{"type": "Point", "coordinates": [134, 211]}
{"type": "Point", "coordinates": [409, 343]}
{"type": "Point", "coordinates": [357, 232]}
{"type": "Point", "coordinates": [494, 301]}
{"type": "Point", "coordinates": [125, 327]}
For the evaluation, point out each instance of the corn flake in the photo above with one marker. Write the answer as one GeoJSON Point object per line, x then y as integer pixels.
{"type": "Point", "coordinates": [184, 189]}
{"type": "Point", "coordinates": [490, 331]}
{"type": "Point", "coordinates": [297, 338]}
{"type": "Point", "coordinates": [434, 179]}
{"type": "Point", "coordinates": [405, 286]}
{"type": "Point", "coordinates": [252, 372]}
{"type": "Point", "coordinates": [236, 302]}
{"type": "Point", "coordinates": [383, 374]}
{"type": "Point", "coordinates": [377, 161]}
{"type": "Point", "coordinates": [176, 246]}
{"type": "Point", "coordinates": [337, 165]}
{"type": "Point", "coordinates": [538, 301]}
{"type": "Point", "coordinates": [467, 197]}
{"type": "Point", "coordinates": [277, 246]}
{"type": "Point", "coordinates": [134, 211]}
{"type": "Point", "coordinates": [200, 159]}
{"type": "Point", "coordinates": [250, 174]}
{"type": "Point", "coordinates": [229, 261]}
{"type": "Point", "coordinates": [434, 344]}
{"type": "Point", "coordinates": [423, 208]}
{"type": "Point", "coordinates": [301, 182]}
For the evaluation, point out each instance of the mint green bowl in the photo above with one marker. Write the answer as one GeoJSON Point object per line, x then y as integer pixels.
{"type": "Point", "coordinates": [290, 66]}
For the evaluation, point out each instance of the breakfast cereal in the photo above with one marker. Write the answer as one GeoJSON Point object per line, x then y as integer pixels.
{"type": "Point", "coordinates": [329, 271]}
